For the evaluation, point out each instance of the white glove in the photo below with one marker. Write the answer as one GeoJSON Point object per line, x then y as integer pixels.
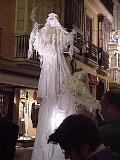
{"type": "Point", "coordinates": [35, 26]}
{"type": "Point", "coordinates": [74, 32]}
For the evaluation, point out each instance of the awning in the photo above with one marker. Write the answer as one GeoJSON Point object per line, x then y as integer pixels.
{"type": "Point", "coordinates": [93, 79]}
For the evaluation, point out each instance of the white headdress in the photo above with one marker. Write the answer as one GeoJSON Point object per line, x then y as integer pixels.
{"type": "Point", "coordinates": [54, 17]}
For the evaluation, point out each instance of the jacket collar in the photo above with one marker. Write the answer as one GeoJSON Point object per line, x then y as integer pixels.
{"type": "Point", "coordinates": [115, 119]}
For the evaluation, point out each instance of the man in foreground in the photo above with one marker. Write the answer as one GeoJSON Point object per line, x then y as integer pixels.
{"type": "Point", "coordinates": [79, 139]}
{"type": "Point", "coordinates": [8, 137]}
{"type": "Point", "coordinates": [110, 126]}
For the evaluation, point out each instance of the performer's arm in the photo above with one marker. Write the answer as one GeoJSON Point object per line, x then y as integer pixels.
{"type": "Point", "coordinates": [33, 39]}
{"type": "Point", "coordinates": [68, 42]}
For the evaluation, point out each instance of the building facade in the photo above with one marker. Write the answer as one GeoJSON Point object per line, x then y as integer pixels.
{"type": "Point", "coordinates": [98, 56]}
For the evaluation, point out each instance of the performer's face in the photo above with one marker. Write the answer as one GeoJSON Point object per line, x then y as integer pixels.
{"type": "Point", "coordinates": [52, 22]}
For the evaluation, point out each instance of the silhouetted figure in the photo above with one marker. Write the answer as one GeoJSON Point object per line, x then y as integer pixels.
{"type": "Point", "coordinates": [4, 113]}
{"type": "Point", "coordinates": [110, 127]}
{"type": "Point", "coordinates": [8, 137]}
{"type": "Point", "coordinates": [79, 139]}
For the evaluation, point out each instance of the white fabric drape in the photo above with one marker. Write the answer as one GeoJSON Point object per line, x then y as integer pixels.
{"type": "Point", "coordinates": [57, 100]}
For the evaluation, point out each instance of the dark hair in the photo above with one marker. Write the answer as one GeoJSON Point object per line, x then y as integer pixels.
{"type": "Point", "coordinates": [75, 131]}
{"type": "Point", "coordinates": [112, 97]}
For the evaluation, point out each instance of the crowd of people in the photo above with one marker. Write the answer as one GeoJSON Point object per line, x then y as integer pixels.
{"type": "Point", "coordinates": [80, 138]}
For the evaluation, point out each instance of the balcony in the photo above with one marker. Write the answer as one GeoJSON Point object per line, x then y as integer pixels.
{"type": "Point", "coordinates": [115, 69]}
{"type": "Point", "coordinates": [103, 59]}
{"type": "Point", "coordinates": [91, 54]}
{"type": "Point", "coordinates": [91, 51]}
{"type": "Point", "coordinates": [114, 77]}
{"type": "Point", "coordinates": [78, 40]}
{"type": "Point", "coordinates": [21, 53]}
{"type": "Point", "coordinates": [21, 49]}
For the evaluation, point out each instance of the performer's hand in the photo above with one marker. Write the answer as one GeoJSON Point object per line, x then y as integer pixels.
{"type": "Point", "coordinates": [74, 32]}
{"type": "Point", "coordinates": [29, 54]}
{"type": "Point", "coordinates": [36, 26]}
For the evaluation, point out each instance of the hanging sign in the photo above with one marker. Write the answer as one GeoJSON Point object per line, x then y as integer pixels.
{"type": "Point", "coordinates": [116, 35]}
{"type": "Point", "coordinates": [93, 79]}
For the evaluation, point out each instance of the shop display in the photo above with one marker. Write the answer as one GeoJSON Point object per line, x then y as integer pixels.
{"type": "Point", "coordinates": [34, 114]}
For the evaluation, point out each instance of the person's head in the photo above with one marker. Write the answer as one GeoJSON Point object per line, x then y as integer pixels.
{"type": "Point", "coordinates": [3, 110]}
{"type": "Point", "coordinates": [77, 136]}
{"type": "Point", "coordinates": [52, 20]}
{"type": "Point", "coordinates": [110, 104]}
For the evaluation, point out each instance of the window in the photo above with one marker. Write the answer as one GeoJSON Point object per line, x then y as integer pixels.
{"type": "Point", "coordinates": [20, 15]}
{"type": "Point", "coordinates": [23, 13]}
{"type": "Point", "coordinates": [74, 19]}
{"type": "Point", "coordinates": [74, 13]}
{"type": "Point", "coordinates": [115, 60]}
{"type": "Point", "coordinates": [104, 32]}
{"type": "Point", "coordinates": [88, 29]}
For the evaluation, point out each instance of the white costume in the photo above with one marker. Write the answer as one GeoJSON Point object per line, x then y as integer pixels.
{"type": "Point", "coordinates": [74, 86]}
{"type": "Point", "coordinates": [50, 42]}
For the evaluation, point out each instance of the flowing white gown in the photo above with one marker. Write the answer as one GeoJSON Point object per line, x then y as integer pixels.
{"type": "Point", "coordinates": [49, 42]}
{"type": "Point", "coordinates": [60, 91]}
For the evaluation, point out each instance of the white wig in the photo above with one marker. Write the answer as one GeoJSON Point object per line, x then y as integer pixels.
{"type": "Point", "coordinates": [53, 16]}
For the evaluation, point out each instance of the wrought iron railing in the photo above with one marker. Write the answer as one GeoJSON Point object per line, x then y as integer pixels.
{"type": "Point", "coordinates": [103, 58]}
{"type": "Point", "coordinates": [78, 42]}
{"type": "Point", "coordinates": [91, 51]}
{"type": "Point", "coordinates": [22, 45]}
{"type": "Point", "coordinates": [21, 48]}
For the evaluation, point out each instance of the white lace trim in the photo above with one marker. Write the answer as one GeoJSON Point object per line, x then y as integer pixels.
{"type": "Point", "coordinates": [76, 88]}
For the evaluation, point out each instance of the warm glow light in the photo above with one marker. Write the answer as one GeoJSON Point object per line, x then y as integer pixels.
{"type": "Point", "coordinates": [57, 119]}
